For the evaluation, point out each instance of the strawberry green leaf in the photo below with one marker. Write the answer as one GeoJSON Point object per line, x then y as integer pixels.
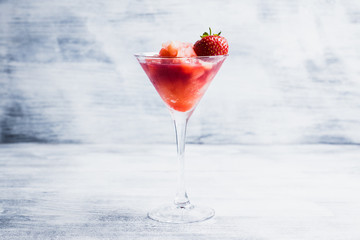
{"type": "Point", "coordinates": [205, 34]}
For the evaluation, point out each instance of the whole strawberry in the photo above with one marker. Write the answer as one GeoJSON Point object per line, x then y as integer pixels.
{"type": "Point", "coordinates": [211, 45]}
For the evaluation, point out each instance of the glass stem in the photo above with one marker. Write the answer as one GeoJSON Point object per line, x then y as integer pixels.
{"type": "Point", "coordinates": [180, 122]}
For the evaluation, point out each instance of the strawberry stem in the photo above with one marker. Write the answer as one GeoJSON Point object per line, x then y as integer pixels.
{"type": "Point", "coordinates": [205, 34]}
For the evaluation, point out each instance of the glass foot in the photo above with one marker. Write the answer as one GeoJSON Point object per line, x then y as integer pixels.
{"type": "Point", "coordinates": [175, 214]}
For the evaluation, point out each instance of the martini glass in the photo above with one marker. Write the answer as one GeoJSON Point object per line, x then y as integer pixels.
{"type": "Point", "coordinates": [181, 82]}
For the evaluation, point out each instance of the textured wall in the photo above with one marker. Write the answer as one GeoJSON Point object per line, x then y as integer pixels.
{"type": "Point", "coordinates": [67, 73]}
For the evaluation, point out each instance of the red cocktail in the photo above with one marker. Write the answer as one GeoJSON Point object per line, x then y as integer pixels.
{"type": "Point", "coordinates": [181, 82]}
{"type": "Point", "coordinates": [181, 74]}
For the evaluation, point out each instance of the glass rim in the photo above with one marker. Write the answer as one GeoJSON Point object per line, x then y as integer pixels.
{"type": "Point", "coordinates": [156, 56]}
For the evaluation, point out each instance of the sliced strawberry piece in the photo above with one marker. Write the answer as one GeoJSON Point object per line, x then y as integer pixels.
{"type": "Point", "coordinates": [177, 49]}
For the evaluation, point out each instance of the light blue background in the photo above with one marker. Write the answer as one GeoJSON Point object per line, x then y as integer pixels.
{"type": "Point", "coordinates": [67, 73]}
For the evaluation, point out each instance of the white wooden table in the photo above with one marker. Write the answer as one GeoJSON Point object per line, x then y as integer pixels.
{"type": "Point", "coordinates": [105, 191]}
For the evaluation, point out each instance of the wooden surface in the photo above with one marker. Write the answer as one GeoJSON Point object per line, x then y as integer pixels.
{"type": "Point", "coordinates": [104, 191]}
{"type": "Point", "coordinates": [67, 71]}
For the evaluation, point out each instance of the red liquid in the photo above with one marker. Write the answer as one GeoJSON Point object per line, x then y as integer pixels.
{"type": "Point", "coordinates": [181, 85]}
